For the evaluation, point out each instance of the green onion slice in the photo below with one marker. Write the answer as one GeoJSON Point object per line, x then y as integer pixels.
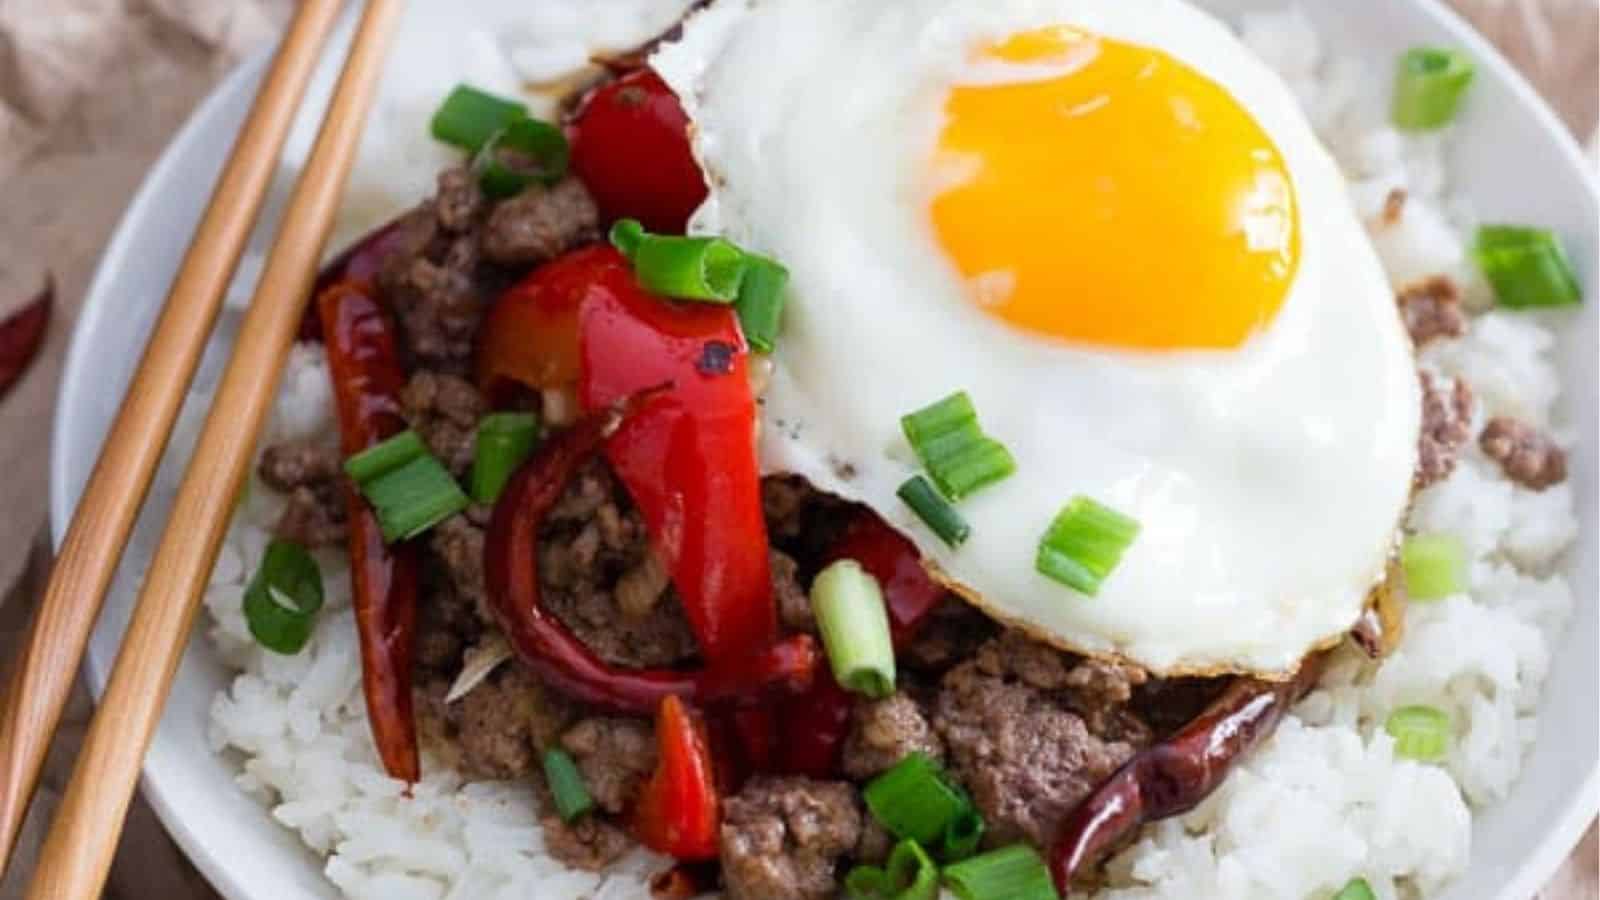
{"type": "Point", "coordinates": [283, 597]}
{"type": "Point", "coordinates": [1357, 889]}
{"type": "Point", "coordinates": [1010, 873]}
{"type": "Point", "coordinates": [855, 628]}
{"type": "Point", "coordinates": [909, 874]}
{"type": "Point", "coordinates": [760, 302]}
{"type": "Point", "coordinates": [1084, 544]}
{"type": "Point", "coordinates": [1419, 732]}
{"type": "Point", "coordinates": [505, 441]}
{"type": "Point", "coordinates": [1527, 267]}
{"type": "Point", "coordinates": [935, 512]}
{"type": "Point", "coordinates": [1435, 566]}
{"type": "Point", "coordinates": [469, 117]}
{"type": "Point", "coordinates": [407, 488]}
{"type": "Point", "coordinates": [566, 785]}
{"type": "Point", "coordinates": [914, 800]}
{"type": "Point", "coordinates": [525, 152]}
{"type": "Point", "coordinates": [382, 458]}
{"type": "Point", "coordinates": [962, 836]}
{"type": "Point", "coordinates": [1429, 87]}
{"type": "Point", "coordinates": [953, 448]}
{"type": "Point", "coordinates": [689, 268]}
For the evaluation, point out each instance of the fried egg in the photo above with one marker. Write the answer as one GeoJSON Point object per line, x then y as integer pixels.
{"type": "Point", "coordinates": [1111, 226]}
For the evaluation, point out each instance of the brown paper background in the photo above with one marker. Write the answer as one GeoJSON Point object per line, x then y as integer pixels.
{"type": "Point", "coordinates": [90, 92]}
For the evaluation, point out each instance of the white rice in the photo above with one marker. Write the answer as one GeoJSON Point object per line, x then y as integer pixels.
{"type": "Point", "coordinates": [299, 725]}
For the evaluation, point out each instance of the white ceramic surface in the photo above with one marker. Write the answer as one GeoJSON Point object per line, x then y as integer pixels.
{"type": "Point", "coordinates": [1513, 154]}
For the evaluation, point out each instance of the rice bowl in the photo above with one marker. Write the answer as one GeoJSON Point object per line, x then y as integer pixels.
{"type": "Point", "coordinates": [1484, 658]}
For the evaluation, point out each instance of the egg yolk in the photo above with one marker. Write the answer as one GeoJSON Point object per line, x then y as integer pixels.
{"type": "Point", "coordinates": [1103, 192]}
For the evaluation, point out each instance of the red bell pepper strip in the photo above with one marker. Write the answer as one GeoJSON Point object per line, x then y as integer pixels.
{"type": "Point", "coordinates": [689, 458]}
{"type": "Point", "coordinates": [678, 812]}
{"type": "Point", "coordinates": [364, 361]}
{"type": "Point", "coordinates": [22, 334]}
{"type": "Point", "coordinates": [1172, 777]}
{"type": "Point", "coordinates": [630, 145]}
{"type": "Point", "coordinates": [543, 643]}
{"type": "Point", "coordinates": [813, 725]}
{"type": "Point", "coordinates": [530, 334]}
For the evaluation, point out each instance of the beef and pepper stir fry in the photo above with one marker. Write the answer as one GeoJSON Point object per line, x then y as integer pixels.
{"type": "Point", "coordinates": [567, 567]}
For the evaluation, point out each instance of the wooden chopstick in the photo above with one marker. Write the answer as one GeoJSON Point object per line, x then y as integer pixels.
{"type": "Point", "coordinates": [83, 838]}
{"type": "Point", "coordinates": [43, 673]}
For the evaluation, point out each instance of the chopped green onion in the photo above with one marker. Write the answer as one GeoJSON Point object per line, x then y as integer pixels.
{"type": "Point", "coordinates": [955, 451]}
{"type": "Point", "coordinates": [505, 440]}
{"type": "Point", "coordinates": [1357, 889]}
{"type": "Point", "coordinates": [626, 235]}
{"type": "Point", "coordinates": [953, 413]}
{"type": "Point", "coordinates": [689, 268]}
{"type": "Point", "coordinates": [1429, 87]}
{"type": "Point", "coordinates": [962, 836]}
{"type": "Point", "coordinates": [1527, 267]}
{"type": "Point", "coordinates": [914, 800]}
{"type": "Point", "coordinates": [855, 628]}
{"type": "Point", "coordinates": [908, 875]}
{"type": "Point", "coordinates": [408, 489]}
{"type": "Point", "coordinates": [978, 464]}
{"type": "Point", "coordinates": [382, 458]}
{"type": "Point", "coordinates": [469, 117]}
{"type": "Point", "coordinates": [566, 785]}
{"type": "Point", "coordinates": [1084, 543]}
{"type": "Point", "coordinates": [1010, 873]}
{"type": "Point", "coordinates": [283, 597]}
{"type": "Point", "coordinates": [1419, 732]}
{"type": "Point", "coordinates": [1435, 566]}
{"type": "Point", "coordinates": [760, 303]}
{"type": "Point", "coordinates": [936, 512]}
{"type": "Point", "coordinates": [525, 152]}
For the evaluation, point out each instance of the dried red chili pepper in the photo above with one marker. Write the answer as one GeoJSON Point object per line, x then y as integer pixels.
{"type": "Point", "coordinates": [679, 812]}
{"type": "Point", "coordinates": [1173, 776]}
{"type": "Point", "coordinates": [364, 362]}
{"type": "Point", "coordinates": [813, 725]}
{"type": "Point", "coordinates": [546, 645]}
{"type": "Point", "coordinates": [22, 334]}
{"type": "Point", "coordinates": [358, 263]}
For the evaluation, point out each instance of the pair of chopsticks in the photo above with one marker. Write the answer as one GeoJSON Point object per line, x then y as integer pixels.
{"type": "Point", "coordinates": [83, 837]}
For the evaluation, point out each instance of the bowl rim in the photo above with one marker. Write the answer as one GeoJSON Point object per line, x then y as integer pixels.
{"type": "Point", "coordinates": [1531, 874]}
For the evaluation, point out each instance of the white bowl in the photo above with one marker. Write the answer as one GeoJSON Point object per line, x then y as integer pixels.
{"type": "Point", "coordinates": [1514, 158]}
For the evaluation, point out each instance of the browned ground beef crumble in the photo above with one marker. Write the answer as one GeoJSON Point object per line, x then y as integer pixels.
{"type": "Point", "coordinates": [1026, 729]}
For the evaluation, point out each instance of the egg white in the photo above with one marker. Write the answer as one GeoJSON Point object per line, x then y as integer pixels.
{"type": "Point", "coordinates": [1268, 480]}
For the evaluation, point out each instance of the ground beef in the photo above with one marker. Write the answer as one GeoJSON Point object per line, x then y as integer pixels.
{"type": "Point", "coordinates": [1528, 456]}
{"type": "Point", "coordinates": [782, 838]}
{"type": "Point", "coordinates": [541, 223]}
{"type": "Point", "coordinates": [1446, 427]}
{"type": "Point", "coordinates": [430, 280]}
{"type": "Point", "coordinates": [500, 725]}
{"type": "Point", "coordinates": [953, 632]}
{"type": "Point", "coordinates": [590, 843]}
{"type": "Point", "coordinates": [1431, 309]}
{"type": "Point", "coordinates": [309, 472]}
{"type": "Point", "coordinates": [459, 201]}
{"type": "Point", "coordinates": [616, 757]}
{"type": "Point", "coordinates": [875, 844]}
{"type": "Point", "coordinates": [883, 732]}
{"type": "Point", "coordinates": [445, 410]}
{"type": "Point", "coordinates": [303, 463]}
{"type": "Point", "coordinates": [1100, 691]}
{"type": "Point", "coordinates": [794, 607]}
{"type": "Point", "coordinates": [447, 623]}
{"type": "Point", "coordinates": [455, 548]}
{"type": "Point", "coordinates": [592, 539]}
{"type": "Point", "coordinates": [1025, 757]}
